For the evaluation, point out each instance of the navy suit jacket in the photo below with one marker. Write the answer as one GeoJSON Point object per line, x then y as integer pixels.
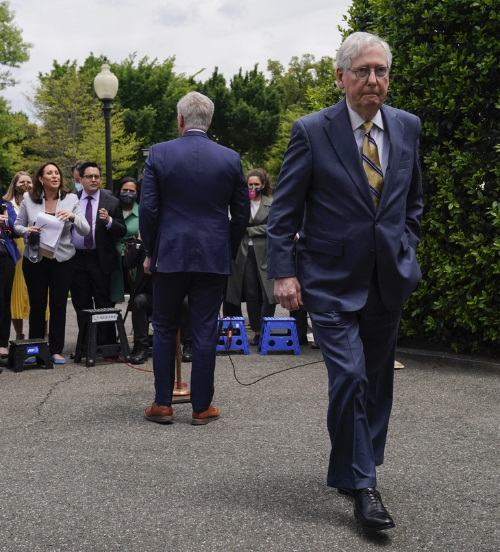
{"type": "Point", "coordinates": [323, 192]}
{"type": "Point", "coordinates": [190, 187]}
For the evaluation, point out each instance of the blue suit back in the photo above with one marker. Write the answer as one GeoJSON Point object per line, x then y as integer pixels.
{"type": "Point", "coordinates": [188, 185]}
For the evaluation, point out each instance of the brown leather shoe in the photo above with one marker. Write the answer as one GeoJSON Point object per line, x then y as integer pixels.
{"type": "Point", "coordinates": [209, 415]}
{"type": "Point", "coordinates": [160, 414]}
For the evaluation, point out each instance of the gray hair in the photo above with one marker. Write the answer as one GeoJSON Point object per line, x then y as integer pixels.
{"type": "Point", "coordinates": [197, 110]}
{"type": "Point", "coordinates": [354, 44]}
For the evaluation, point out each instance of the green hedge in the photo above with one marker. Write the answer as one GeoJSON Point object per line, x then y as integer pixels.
{"type": "Point", "coordinates": [446, 70]}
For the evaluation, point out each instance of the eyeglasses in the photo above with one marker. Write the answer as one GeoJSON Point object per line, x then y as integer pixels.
{"type": "Point", "coordinates": [91, 176]}
{"type": "Point", "coordinates": [363, 73]}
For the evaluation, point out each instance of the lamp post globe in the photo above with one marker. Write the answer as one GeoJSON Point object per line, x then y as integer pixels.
{"type": "Point", "coordinates": [106, 87]}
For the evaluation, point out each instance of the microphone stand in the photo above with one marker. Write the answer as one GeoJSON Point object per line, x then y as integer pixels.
{"type": "Point", "coordinates": [181, 394]}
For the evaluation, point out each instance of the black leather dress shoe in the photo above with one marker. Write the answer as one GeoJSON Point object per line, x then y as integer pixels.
{"type": "Point", "coordinates": [139, 356]}
{"type": "Point", "coordinates": [314, 345]}
{"type": "Point", "coordinates": [369, 510]}
{"type": "Point", "coordinates": [187, 353]}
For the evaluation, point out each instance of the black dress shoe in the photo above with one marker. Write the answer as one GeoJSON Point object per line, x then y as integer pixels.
{"type": "Point", "coordinates": [139, 356]}
{"type": "Point", "coordinates": [255, 340]}
{"type": "Point", "coordinates": [314, 345]}
{"type": "Point", "coordinates": [187, 353]}
{"type": "Point", "coordinates": [369, 510]}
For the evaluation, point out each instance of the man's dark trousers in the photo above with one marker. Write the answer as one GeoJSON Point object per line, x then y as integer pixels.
{"type": "Point", "coordinates": [90, 289]}
{"type": "Point", "coordinates": [142, 308]}
{"type": "Point", "coordinates": [359, 350]}
{"type": "Point", "coordinates": [204, 292]}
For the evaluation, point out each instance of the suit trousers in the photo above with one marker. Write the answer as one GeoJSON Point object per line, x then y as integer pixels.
{"type": "Point", "coordinates": [301, 324]}
{"type": "Point", "coordinates": [204, 292]}
{"type": "Point", "coordinates": [359, 350]}
{"type": "Point", "coordinates": [91, 290]}
{"type": "Point", "coordinates": [53, 279]}
{"type": "Point", "coordinates": [141, 308]}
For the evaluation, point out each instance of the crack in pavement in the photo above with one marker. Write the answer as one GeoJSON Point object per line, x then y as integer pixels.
{"type": "Point", "coordinates": [54, 386]}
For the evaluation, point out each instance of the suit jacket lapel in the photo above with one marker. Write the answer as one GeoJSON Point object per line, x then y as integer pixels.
{"type": "Point", "coordinates": [338, 130]}
{"type": "Point", "coordinates": [394, 128]}
{"type": "Point", "coordinates": [262, 212]}
{"type": "Point", "coordinates": [99, 223]}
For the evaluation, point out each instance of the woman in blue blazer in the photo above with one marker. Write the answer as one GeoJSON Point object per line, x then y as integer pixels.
{"type": "Point", "coordinates": [9, 255]}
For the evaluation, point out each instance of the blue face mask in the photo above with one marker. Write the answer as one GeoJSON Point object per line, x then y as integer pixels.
{"type": "Point", "coordinates": [128, 197]}
{"type": "Point", "coordinates": [78, 187]}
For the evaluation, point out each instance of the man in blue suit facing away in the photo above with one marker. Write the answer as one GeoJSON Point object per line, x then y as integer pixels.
{"type": "Point", "coordinates": [189, 186]}
{"type": "Point", "coordinates": [351, 184]}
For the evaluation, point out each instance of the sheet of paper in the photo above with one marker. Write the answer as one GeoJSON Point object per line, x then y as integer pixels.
{"type": "Point", "coordinates": [51, 230]}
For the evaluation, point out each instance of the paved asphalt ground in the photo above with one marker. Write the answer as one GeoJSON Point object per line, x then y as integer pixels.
{"type": "Point", "coordinates": [81, 470]}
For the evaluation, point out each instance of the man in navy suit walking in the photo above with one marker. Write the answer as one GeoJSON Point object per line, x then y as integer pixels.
{"type": "Point", "coordinates": [193, 214]}
{"type": "Point", "coordinates": [351, 184]}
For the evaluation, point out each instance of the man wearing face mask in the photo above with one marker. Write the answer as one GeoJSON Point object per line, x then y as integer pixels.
{"type": "Point", "coordinates": [75, 171]}
{"type": "Point", "coordinates": [249, 278]}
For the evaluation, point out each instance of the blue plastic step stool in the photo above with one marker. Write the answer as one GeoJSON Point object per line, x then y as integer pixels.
{"type": "Point", "coordinates": [238, 341]}
{"type": "Point", "coordinates": [278, 334]}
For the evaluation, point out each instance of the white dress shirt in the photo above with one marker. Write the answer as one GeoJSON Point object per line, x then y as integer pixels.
{"type": "Point", "coordinates": [377, 133]}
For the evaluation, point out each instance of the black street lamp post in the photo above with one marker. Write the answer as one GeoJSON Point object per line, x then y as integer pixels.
{"type": "Point", "coordinates": [106, 87]}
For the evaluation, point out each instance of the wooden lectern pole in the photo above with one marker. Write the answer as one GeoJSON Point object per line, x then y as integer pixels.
{"type": "Point", "coordinates": [181, 394]}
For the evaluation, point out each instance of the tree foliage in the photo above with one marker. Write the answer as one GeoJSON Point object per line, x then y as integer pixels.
{"type": "Point", "coordinates": [446, 71]}
{"type": "Point", "coordinates": [301, 75]}
{"type": "Point", "coordinates": [10, 137]}
{"type": "Point", "coordinates": [276, 152]}
{"type": "Point", "coordinates": [247, 114]}
{"type": "Point", "coordinates": [13, 50]}
{"type": "Point", "coordinates": [306, 85]}
{"type": "Point", "coordinates": [149, 92]}
{"type": "Point", "coordinates": [72, 124]}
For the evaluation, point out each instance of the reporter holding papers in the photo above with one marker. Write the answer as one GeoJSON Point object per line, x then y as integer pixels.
{"type": "Point", "coordinates": [46, 271]}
